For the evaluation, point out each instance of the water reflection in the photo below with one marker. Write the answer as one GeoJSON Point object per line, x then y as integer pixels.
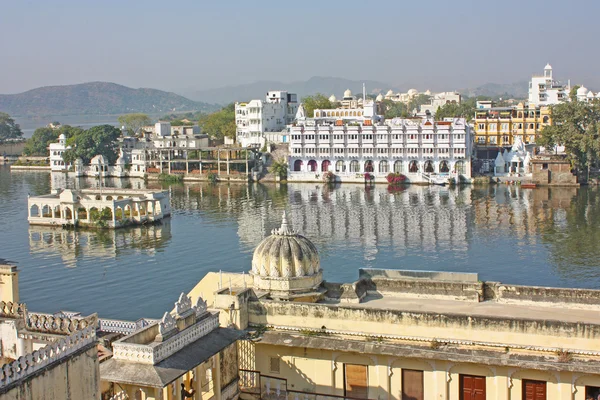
{"type": "Point", "coordinates": [74, 246]}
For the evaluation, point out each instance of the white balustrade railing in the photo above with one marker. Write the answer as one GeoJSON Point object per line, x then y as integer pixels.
{"type": "Point", "coordinates": [152, 354]}
{"type": "Point", "coordinates": [32, 362]}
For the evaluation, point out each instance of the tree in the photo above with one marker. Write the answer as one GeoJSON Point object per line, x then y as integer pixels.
{"type": "Point", "coordinates": [573, 93]}
{"type": "Point", "coordinates": [8, 128]}
{"type": "Point", "coordinates": [279, 168]}
{"type": "Point", "coordinates": [575, 125]}
{"type": "Point", "coordinates": [316, 102]}
{"type": "Point", "coordinates": [219, 124]}
{"type": "Point", "coordinates": [134, 122]}
{"type": "Point", "coordinates": [394, 109]}
{"type": "Point", "coordinates": [38, 144]}
{"type": "Point", "coordinates": [98, 140]}
{"type": "Point", "coordinates": [466, 109]}
{"type": "Point", "coordinates": [416, 102]}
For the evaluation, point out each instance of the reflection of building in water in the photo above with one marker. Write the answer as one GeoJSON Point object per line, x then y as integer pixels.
{"type": "Point", "coordinates": [69, 181]}
{"type": "Point", "coordinates": [524, 212]}
{"type": "Point", "coordinates": [73, 245]}
{"type": "Point", "coordinates": [427, 218]}
{"type": "Point", "coordinates": [420, 217]}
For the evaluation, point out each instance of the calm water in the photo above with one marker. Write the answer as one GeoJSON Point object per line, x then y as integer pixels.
{"type": "Point", "coordinates": [536, 237]}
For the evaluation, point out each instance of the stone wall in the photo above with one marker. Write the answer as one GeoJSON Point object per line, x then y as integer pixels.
{"type": "Point", "coordinates": [360, 319]}
{"type": "Point", "coordinates": [77, 377]}
{"type": "Point", "coordinates": [545, 296]}
{"type": "Point", "coordinates": [553, 172]}
{"type": "Point", "coordinates": [12, 149]}
{"type": "Point", "coordinates": [423, 284]}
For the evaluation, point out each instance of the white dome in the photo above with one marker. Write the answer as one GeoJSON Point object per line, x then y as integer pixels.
{"type": "Point", "coordinates": [379, 97]}
{"type": "Point", "coordinates": [590, 95]}
{"type": "Point", "coordinates": [332, 99]}
{"type": "Point", "coordinates": [347, 93]}
{"type": "Point", "coordinates": [389, 93]}
{"type": "Point", "coordinates": [62, 136]}
{"type": "Point", "coordinates": [286, 262]}
{"type": "Point", "coordinates": [413, 92]}
{"type": "Point", "coordinates": [548, 66]}
{"type": "Point", "coordinates": [582, 91]}
{"type": "Point", "coordinates": [428, 92]}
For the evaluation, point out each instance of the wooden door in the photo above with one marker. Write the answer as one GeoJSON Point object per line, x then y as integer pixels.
{"type": "Point", "coordinates": [412, 384]}
{"type": "Point", "coordinates": [472, 387]}
{"type": "Point", "coordinates": [355, 381]}
{"type": "Point", "coordinates": [534, 390]}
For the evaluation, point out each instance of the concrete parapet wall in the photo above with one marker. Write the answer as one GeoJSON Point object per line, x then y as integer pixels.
{"type": "Point", "coordinates": [413, 274]}
{"type": "Point", "coordinates": [447, 326]}
{"type": "Point", "coordinates": [427, 289]}
{"type": "Point", "coordinates": [539, 295]}
{"type": "Point", "coordinates": [421, 284]}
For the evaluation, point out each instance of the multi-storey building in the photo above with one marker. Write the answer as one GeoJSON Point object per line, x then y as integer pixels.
{"type": "Point", "coordinates": [56, 154]}
{"type": "Point", "coordinates": [544, 90]}
{"type": "Point", "coordinates": [412, 147]}
{"type": "Point", "coordinates": [256, 117]}
{"type": "Point", "coordinates": [497, 127]}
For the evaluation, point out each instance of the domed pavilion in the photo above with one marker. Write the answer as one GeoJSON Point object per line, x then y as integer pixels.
{"type": "Point", "coordinates": [287, 265]}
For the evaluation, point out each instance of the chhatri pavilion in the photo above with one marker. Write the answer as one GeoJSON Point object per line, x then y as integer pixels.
{"type": "Point", "coordinates": [104, 207]}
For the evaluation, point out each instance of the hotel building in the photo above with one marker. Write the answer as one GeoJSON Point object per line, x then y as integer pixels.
{"type": "Point", "coordinates": [350, 146]}
{"type": "Point", "coordinates": [497, 127]}
{"type": "Point", "coordinates": [256, 117]}
{"type": "Point", "coordinates": [544, 90]}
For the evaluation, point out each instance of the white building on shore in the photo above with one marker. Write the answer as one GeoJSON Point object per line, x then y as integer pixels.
{"type": "Point", "coordinates": [418, 148]}
{"type": "Point", "coordinates": [56, 154]}
{"type": "Point", "coordinates": [544, 90]}
{"type": "Point", "coordinates": [256, 117]}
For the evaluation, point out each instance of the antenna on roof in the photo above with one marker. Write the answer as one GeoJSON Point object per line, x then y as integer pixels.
{"type": "Point", "coordinates": [364, 93]}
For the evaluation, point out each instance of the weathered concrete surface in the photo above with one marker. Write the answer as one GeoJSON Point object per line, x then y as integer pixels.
{"type": "Point", "coordinates": [424, 351]}
{"type": "Point", "coordinates": [489, 322]}
{"type": "Point", "coordinates": [374, 273]}
{"type": "Point", "coordinates": [547, 296]}
{"type": "Point", "coordinates": [75, 378]}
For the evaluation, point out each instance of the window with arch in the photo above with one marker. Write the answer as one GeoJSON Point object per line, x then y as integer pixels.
{"type": "Point", "coordinates": [312, 165]}
{"type": "Point", "coordinates": [340, 166]}
{"type": "Point", "coordinates": [369, 166]}
{"type": "Point", "coordinates": [444, 167]}
{"type": "Point", "coordinates": [429, 167]}
{"type": "Point", "coordinates": [298, 165]}
{"type": "Point", "coordinates": [413, 166]}
{"type": "Point", "coordinates": [459, 167]}
{"type": "Point", "coordinates": [398, 167]}
{"type": "Point", "coordinates": [384, 167]}
{"type": "Point", "coordinates": [354, 166]}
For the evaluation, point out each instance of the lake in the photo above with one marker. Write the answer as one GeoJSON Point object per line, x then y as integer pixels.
{"type": "Point", "coordinates": [546, 237]}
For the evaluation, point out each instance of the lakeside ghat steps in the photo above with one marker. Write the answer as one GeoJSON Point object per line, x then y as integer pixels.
{"type": "Point", "coordinates": [98, 208]}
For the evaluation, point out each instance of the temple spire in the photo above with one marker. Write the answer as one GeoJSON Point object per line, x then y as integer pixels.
{"type": "Point", "coordinates": [284, 229]}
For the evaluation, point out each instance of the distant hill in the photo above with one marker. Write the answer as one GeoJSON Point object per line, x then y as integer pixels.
{"type": "Point", "coordinates": [258, 90]}
{"type": "Point", "coordinates": [96, 98]}
{"type": "Point", "coordinates": [517, 90]}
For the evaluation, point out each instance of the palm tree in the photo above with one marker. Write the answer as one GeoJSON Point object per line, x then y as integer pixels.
{"type": "Point", "coordinates": [279, 168]}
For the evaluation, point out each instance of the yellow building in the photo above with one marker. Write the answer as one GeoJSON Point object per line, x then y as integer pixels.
{"type": "Point", "coordinates": [402, 334]}
{"type": "Point", "coordinates": [186, 351]}
{"type": "Point", "coordinates": [44, 356]}
{"type": "Point", "coordinates": [502, 126]}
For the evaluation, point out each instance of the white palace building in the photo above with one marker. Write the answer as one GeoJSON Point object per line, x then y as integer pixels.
{"type": "Point", "coordinates": [419, 148]}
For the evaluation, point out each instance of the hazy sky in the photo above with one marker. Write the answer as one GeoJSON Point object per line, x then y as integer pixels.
{"type": "Point", "coordinates": [197, 44]}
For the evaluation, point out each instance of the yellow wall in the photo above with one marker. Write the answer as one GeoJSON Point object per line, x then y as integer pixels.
{"type": "Point", "coordinates": [322, 371]}
{"type": "Point", "coordinates": [9, 283]}
{"type": "Point", "coordinates": [76, 378]}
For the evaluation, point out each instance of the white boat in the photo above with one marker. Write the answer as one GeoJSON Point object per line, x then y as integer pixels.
{"type": "Point", "coordinates": [436, 179]}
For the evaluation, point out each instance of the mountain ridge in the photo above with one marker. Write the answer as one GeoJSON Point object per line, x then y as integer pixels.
{"type": "Point", "coordinates": [332, 85]}
{"type": "Point", "coordinates": [96, 98]}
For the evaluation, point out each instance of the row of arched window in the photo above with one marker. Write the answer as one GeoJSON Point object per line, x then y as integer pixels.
{"type": "Point", "coordinates": [383, 166]}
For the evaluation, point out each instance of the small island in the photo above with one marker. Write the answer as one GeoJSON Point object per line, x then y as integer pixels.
{"type": "Point", "coordinates": [98, 208]}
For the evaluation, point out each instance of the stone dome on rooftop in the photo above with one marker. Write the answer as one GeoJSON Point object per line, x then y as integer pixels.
{"type": "Point", "coordinates": [286, 261]}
